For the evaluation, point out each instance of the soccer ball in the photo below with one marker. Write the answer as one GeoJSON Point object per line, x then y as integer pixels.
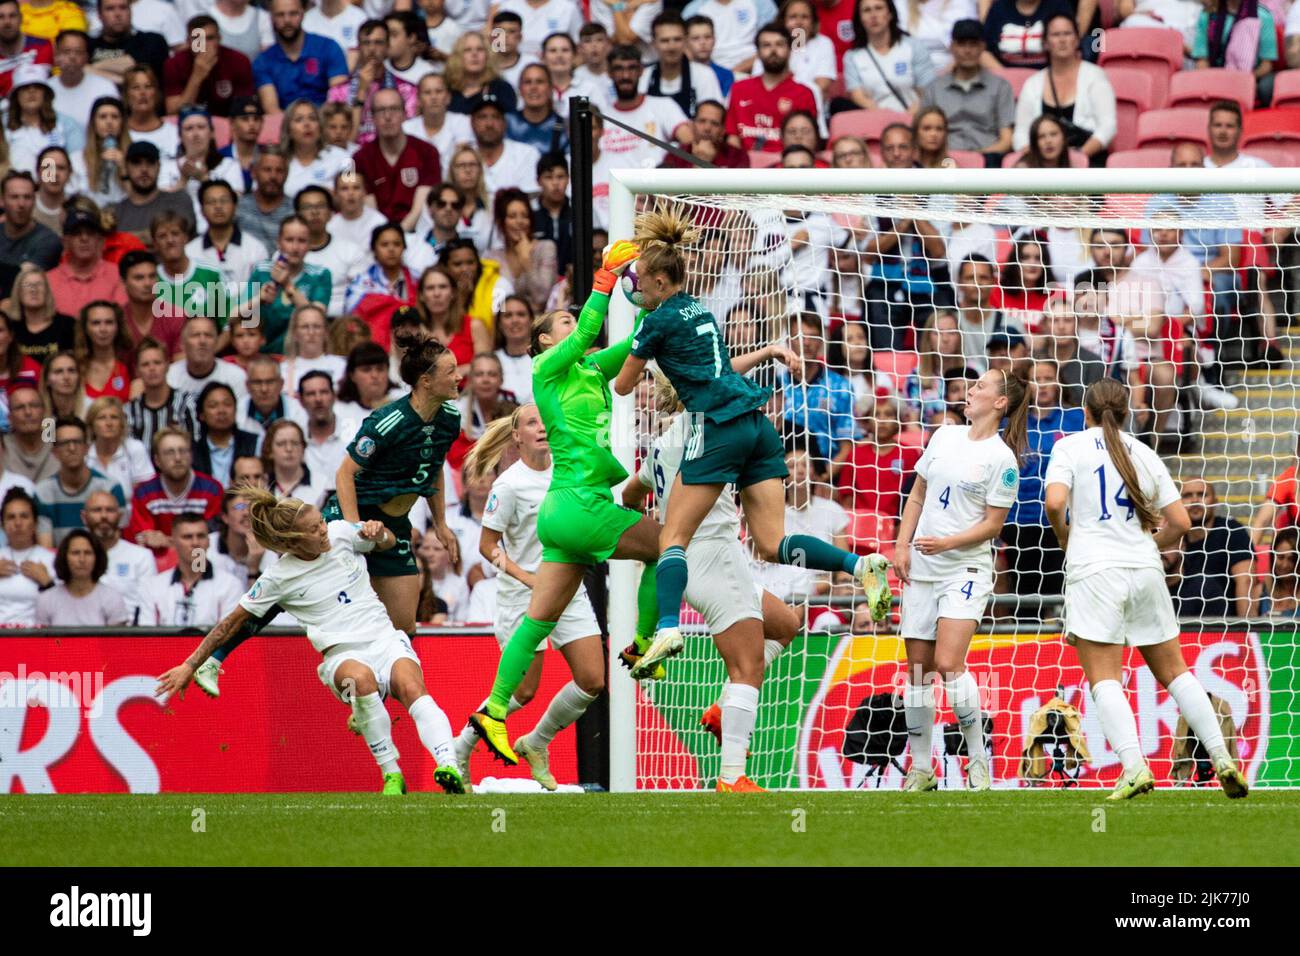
{"type": "Point", "coordinates": [631, 286]}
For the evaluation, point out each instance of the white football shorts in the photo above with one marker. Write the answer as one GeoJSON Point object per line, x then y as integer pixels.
{"type": "Point", "coordinates": [1129, 606]}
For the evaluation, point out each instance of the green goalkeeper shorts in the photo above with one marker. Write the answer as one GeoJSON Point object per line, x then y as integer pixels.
{"type": "Point", "coordinates": [397, 561]}
{"type": "Point", "coordinates": [740, 452]}
{"type": "Point", "coordinates": [581, 525]}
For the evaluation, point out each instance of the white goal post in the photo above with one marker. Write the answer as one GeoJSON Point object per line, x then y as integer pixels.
{"type": "Point", "coordinates": [1105, 198]}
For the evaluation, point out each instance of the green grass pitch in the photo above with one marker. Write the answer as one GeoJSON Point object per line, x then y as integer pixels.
{"type": "Point", "coordinates": [1172, 828]}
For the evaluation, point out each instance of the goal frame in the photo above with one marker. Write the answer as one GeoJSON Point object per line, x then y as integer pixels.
{"type": "Point", "coordinates": [627, 184]}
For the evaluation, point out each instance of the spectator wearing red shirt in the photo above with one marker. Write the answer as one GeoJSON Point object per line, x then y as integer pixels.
{"type": "Point", "coordinates": [835, 20]}
{"type": "Point", "coordinates": [213, 77]}
{"type": "Point", "coordinates": [399, 170]}
{"type": "Point", "coordinates": [710, 145]}
{"type": "Point", "coordinates": [84, 275]}
{"type": "Point", "coordinates": [17, 49]}
{"type": "Point", "coordinates": [1021, 294]}
{"type": "Point", "coordinates": [177, 489]}
{"type": "Point", "coordinates": [1279, 510]}
{"type": "Point", "coordinates": [759, 103]}
{"type": "Point", "coordinates": [873, 477]}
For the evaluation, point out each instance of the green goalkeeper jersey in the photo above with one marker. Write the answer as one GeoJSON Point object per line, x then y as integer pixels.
{"type": "Point", "coordinates": [572, 393]}
{"type": "Point", "coordinates": [683, 337]}
{"type": "Point", "coordinates": [400, 453]}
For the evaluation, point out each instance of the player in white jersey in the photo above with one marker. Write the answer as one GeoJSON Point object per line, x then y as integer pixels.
{"type": "Point", "coordinates": [966, 481]}
{"type": "Point", "coordinates": [1105, 495]}
{"type": "Point", "coordinates": [321, 579]}
{"type": "Point", "coordinates": [509, 540]}
{"type": "Point", "coordinates": [738, 612]}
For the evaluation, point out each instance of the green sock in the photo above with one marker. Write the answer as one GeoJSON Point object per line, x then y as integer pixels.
{"type": "Point", "coordinates": [516, 658]}
{"type": "Point", "coordinates": [805, 551]}
{"type": "Point", "coordinates": [647, 610]}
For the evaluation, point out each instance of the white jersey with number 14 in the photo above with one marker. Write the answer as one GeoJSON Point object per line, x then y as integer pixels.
{"type": "Point", "coordinates": [1104, 528]}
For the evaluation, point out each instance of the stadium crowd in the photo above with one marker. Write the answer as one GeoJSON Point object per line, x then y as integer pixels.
{"type": "Point", "coordinates": [349, 169]}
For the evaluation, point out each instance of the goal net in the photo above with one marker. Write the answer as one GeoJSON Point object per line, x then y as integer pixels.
{"type": "Point", "coordinates": [894, 289]}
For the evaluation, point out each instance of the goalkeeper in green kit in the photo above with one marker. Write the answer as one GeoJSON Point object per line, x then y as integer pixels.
{"type": "Point", "coordinates": [579, 523]}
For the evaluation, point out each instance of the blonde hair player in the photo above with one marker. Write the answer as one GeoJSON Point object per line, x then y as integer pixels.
{"type": "Point", "coordinates": [966, 481]}
{"type": "Point", "coordinates": [509, 540]}
{"type": "Point", "coordinates": [321, 579]}
{"type": "Point", "coordinates": [731, 441]}
{"type": "Point", "coordinates": [750, 626]}
{"type": "Point", "coordinates": [1114, 508]}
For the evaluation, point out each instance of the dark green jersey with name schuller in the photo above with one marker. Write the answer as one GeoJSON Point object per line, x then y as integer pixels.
{"type": "Point", "coordinates": [684, 338]}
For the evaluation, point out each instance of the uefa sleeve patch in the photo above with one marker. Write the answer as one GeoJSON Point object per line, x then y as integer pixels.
{"type": "Point", "coordinates": [491, 506]}
{"type": "Point", "coordinates": [256, 590]}
{"type": "Point", "coordinates": [1009, 478]}
{"type": "Point", "coordinates": [365, 447]}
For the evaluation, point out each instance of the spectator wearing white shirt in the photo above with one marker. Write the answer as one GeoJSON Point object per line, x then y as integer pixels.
{"type": "Point", "coordinates": [75, 90]}
{"type": "Point", "coordinates": [443, 30]}
{"type": "Point", "coordinates": [514, 332]}
{"type": "Point", "coordinates": [656, 115]}
{"type": "Point", "coordinates": [805, 513]}
{"type": "Point", "coordinates": [435, 124]}
{"type": "Point", "coordinates": [354, 219]}
{"type": "Point", "coordinates": [440, 580]}
{"type": "Point", "coordinates": [244, 26]}
{"type": "Point", "coordinates": [470, 177]}
{"type": "Point", "coordinates": [885, 68]}
{"type": "Point", "coordinates": [82, 599]}
{"type": "Point", "coordinates": [26, 568]}
{"type": "Point", "coordinates": [199, 364]}
{"type": "Point", "coordinates": [538, 19]}
{"type": "Point", "coordinates": [674, 75]}
{"type": "Point", "coordinates": [625, 22]}
{"type": "Point", "coordinates": [267, 401]}
{"type": "Point", "coordinates": [304, 350]}
{"type": "Point", "coordinates": [1071, 90]}
{"type": "Point", "coordinates": [735, 28]}
{"type": "Point", "coordinates": [558, 55]}
{"type": "Point", "coordinates": [163, 18]}
{"type": "Point", "coordinates": [594, 44]}
{"type": "Point", "coordinates": [195, 593]}
{"type": "Point", "coordinates": [344, 259]}
{"type": "Point", "coordinates": [113, 453]}
{"type": "Point", "coordinates": [339, 20]}
{"type": "Point", "coordinates": [223, 247]}
{"type": "Point", "coordinates": [329, 429]}
{"type": "Point", "coordinates": [505, 161]}
{"type": "Point", "coordinates": [129, 565]}
{"type": "Point", "coordinates": [284, 456]}
{"type": "Point", "coordinates": [311, 161]}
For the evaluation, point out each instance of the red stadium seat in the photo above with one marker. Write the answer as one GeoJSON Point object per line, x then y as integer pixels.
{"type": "Point", "coordinates": [1109, 13]}
{"type": "Point", "coordinates": [221, 131]}
{"type": "Point", "coordinates": [1125, 205]}
{"type": "Point", "coordinates": [1078, 159]}
{"type": "Point", "coordinates": [897, 365]}
{"type": "Point", "coordinates": [759, 159]}
{"type": "Point", "coordinates": [1134, 95]}
{"type": "Point", "coordinates": [965, 159]}
{"type": "Point", "coordinates": [271, 128]}
{"type": "Point", "coordinates": [1168, 128]}
{"type": "Point", "coordinates": [1156, 157]}
{"type": "Point", "coordinates": [1285, 154]}
{"type": "Point", "coordinates": [1271, 126]}
{"type": "Point", "coordinates": [1017, 76]}
{"type": "Point", "coordinates": [1157, 52]}
{"type": "Point", "coordinates": [1203, 87]}
{"type": "Point", "coordinates": [869, 531]}
{"type": "Point", "coordinates": [866, 124]}
{"type": "Point", "coordinates": [1286, 89]}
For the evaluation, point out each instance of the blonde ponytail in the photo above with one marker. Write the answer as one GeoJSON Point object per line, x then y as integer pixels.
{"type": "Point", "coordinates": [1107, 403]}
{"type": "Point", "coordinates": [486, 454]}
{"type": "Point", "coordinates": [274, 520]}
{"type": "Point", "coordinates": [660, 234]}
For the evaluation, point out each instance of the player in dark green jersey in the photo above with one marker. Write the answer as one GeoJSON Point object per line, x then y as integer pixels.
{"type": "Point", "coordinates": [731, 441]}
{"type": "Point", "coordinates": [579, 523]}
{"type": "Point", "coordinates": [395, 460]}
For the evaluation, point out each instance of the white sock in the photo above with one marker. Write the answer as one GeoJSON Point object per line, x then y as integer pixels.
{"type": "Point", "coordinates": [377, 729]}
{"type": "Point", "coordinates": [1117, 723]}
{"type": "Point", "coordinates": [918, 708]}
{"type": "Point", "coordinates": [434, 729]}
{"type": "Point", "coordinates": [1194, 704]}
{"type": "Point", "coordinates": [771, 651]}
{"type": "Point", "coordinates": [964, 699]}
{"type": "Point", "coordinates": [565, 707]}
{"type": "Point", "coordinates": [467, 740]}
{"type": "Point", "coordinates": [739, 711]}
